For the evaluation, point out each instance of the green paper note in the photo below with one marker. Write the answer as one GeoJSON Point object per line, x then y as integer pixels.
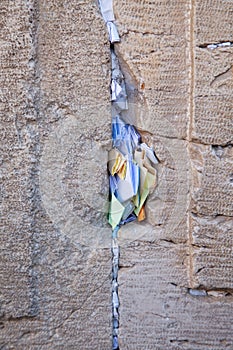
{"type": "Point", "coordinates": [116, 212]}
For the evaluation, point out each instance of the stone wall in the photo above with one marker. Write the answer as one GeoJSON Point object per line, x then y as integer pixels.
{"type": "Point", "coordinates": [176, 273]}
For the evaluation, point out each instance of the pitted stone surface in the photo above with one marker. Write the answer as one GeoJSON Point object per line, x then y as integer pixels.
{"type": "Point", "coordinates": [55, 288]}
{"type": "Point", "coordinates": [56, 258]}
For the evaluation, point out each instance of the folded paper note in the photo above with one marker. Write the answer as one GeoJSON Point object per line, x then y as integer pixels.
{"type": "Point", "coordinates": [106, 8]}
{"type": "Point", "coordinates": [128, 187]}
{"type": "Point", "coordinates": [116, 162]}
{"type": "Point", "coordinates": [116, 211]}
{"type": "Point", "coordinates": [149, 153]}
{"type": "Point", "coordinates": [132, 174]}
{"type": "Point", "coordinates": [113, 33]}
{"type": "Point", "coordinates": [131, 162]}
{"type": "Point", "coordinates": [116, 90]}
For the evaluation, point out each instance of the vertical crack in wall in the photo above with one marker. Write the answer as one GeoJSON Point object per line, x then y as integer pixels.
{"type": "Point", "coordinates": [131, 173]}
{"type": "Point", "coordinates": [131, 165]}
{"type": "Point", "coordinates": [32, 116]}
{"type": "Point", "coordinates": [119, 102]}
{"type": "Point", "coordinates": [191, 50]}
{"type": "Point", "coordinates": [115, 298]}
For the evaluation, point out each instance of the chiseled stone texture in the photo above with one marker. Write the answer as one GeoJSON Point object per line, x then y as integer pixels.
{"type": "Point", "coordinates": [187, 90]}
{"type": "Point", "coordinates": [212, 180]}
{"type": "Point", "coordinates": [212, 240]}
{"type": "Point", "coordinates": [154, 48]}
{"type": "Point", "coordinates": [213, 21]}
{"type": "Point", "coordinates": [211, 154]}
{"type": "Point", "coordinates": [55, 131]}
{"type": "Point", "coordinates": [213, 118]}
{"type": "Point", "coordinates": [17, 283]}
{"type": "Point", "coordinates": [55, 286]}
{"type": "Point", "coordinates": [156, 310]}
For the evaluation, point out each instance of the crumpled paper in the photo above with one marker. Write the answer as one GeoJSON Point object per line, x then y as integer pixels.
{"type": "Point", "coordinates": [132, 174]}
{"type": "Point", "coordinates": [106, 7]}
{"type": "Point", "coordinates": [131, 162]}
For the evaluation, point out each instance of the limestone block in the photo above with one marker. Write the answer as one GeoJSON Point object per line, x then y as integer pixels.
{"type": "Point", "coordinates": [17, 187]}
{"type": "Point", "coordinates": [157, 312]}
{"type": "Point", "coordinates": [213, 21]}
{"type": "Point", "coordinates": [211, 248]}
{"type": "Point", "coordinates": [212, 180]}
{"type": "Point", "coordinates": [153, 47]}
{"type": "Point", "coordinates": [211, 224]}
{"type": "Point", "coordinates": [56, 121]}
{"type": "Point", "coordinates": [77, 71]}
{"type": "Point", "coordinates": [57, 127]}
{"type": "Point", "coordinates": [213, 120]}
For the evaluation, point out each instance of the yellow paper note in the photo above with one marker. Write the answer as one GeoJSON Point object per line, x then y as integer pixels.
{"type": "Point", "coordinates": [122, 172]}
{"type": "Point", "coordinates": [116, 161]}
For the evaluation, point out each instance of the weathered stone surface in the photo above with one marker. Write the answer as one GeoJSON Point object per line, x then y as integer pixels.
{"type": "Point", "coordinates": [211, 195]}
{"type": "Point", "coordinates": [213, 96]}
{"type": "Point", "coordinates": [56, 262]}
{"type": "Point", "coordinates": [55, 75]}
{"type": "Point", "coordinates": [157, 311]}
{"type": "Point", "coordinates": [213, 21]}
{"type": "Point", "coordinates": [16, 183]}
{"type": "Point", "coordinates": [211, 248]}
{"type": "Point", "coordinates": [153, 46]}
{"type": "Point", "coordinates": [212, 180]}
{"type": "Point", "coordinates": [211, 222]}
{"type": "Point", "coordinates": [212, 122]}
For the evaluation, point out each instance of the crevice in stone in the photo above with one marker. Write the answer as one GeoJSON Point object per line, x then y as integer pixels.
{"type": "Point", "coordinates": [200, 269]}
{"type": "Point", "coordinates": [203, 143]}
{"type": "Point", "coordinates": [198, 246]}
{"type": "Point", "coordinates": [32, 116]}
{"type": "Point", "coordinates": [218, 150]}
{"type": "Point", "coordinates": [212, 46]}
{"type": "Point", "coordinates": [168, 241]}
{"type": "Point", "coordinates": [146, 33]}
{"type": "Point", "coordinates": [212, 292]}
{"type": "Point", "coordinates": [115, 299]}
{"type": "Point", "coordinates": [5, 318]}
{"type": "Point", "coordinates": [18, 129]}
{"type": "Point", "coordinates": [179, 341]}
{"type": "Point", "coordinates": [123, 268]}
{"type": "Point", "coordinates": [131, 165]}
{"type": "Point", "coordinates": [174, 284]}
{"type": "Point", "coordinates": [220, 293]}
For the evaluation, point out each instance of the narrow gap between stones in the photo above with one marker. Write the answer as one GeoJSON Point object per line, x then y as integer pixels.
{"type": "Point", "coordinates": [131, 163]}
{"type": "Point", "coordinates": [213, 46]}
{"type": "Point", "coordinates": [32, 118]}
{"type": "Point", "coordinates": [204, 292]}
